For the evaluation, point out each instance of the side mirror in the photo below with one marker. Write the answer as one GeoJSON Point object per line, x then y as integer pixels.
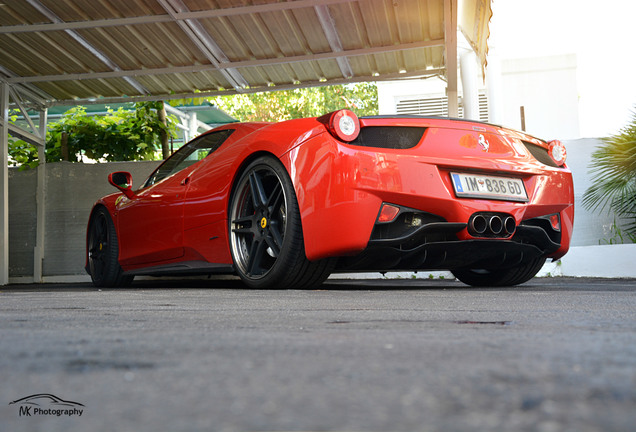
{"type": "Point", "coordinates": [123, 181]}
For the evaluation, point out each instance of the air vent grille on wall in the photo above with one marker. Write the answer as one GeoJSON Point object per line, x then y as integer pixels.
{"type": "Point", "coordinates": [437, 106]}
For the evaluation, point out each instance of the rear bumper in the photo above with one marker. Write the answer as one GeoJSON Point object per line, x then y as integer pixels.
{"type": "Point", "coordinates": [435, 246]}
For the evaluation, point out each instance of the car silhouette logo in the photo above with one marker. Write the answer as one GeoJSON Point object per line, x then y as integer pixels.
{"type": "Point", "coordinates": [45, 399]}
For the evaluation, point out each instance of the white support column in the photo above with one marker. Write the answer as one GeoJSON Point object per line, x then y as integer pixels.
{"type": "Point", "coordinates": [470, 92]}
{"type": "Point", "coordinates": [450, 45]}
{"type": "Point", "coordinates": [193, 125]}
{"type": "Point", "coordinates": [38, 250]}
{"type": "Point", "coordinates": [4, 183]}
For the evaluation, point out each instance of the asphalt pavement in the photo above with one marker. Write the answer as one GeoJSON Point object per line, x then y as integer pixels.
{"type": "Point", "coordinates": [555, 354]}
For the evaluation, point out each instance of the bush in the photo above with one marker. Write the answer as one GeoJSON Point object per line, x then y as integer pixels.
{"type": "Point", "coordinates": [614, 175]}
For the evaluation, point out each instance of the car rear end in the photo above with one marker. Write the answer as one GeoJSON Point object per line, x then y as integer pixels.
{"type": "Point", "coordinates": [432, 193]}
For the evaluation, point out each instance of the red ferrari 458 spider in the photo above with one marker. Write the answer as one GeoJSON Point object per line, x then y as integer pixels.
{"type": "Point", "coordinates": [284, 205]}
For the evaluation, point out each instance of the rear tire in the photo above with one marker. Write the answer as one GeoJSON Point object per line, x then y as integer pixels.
{"type": "Point", "coordinates": [500, 277]}
{"type": "Point", "coordinates": [266, 238]}
{"type": "Point", "coordinates": [103, 252]}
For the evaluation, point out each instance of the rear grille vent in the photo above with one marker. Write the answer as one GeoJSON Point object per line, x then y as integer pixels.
{"type": "Point", "coordinates": [540, 154]}
{"type": "Point", "coordinates": [389, 137]}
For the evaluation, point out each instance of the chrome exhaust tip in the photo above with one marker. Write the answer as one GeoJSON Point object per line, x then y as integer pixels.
{"type": "Point", "coordinates": [510, 225]}
{"type": "Point", "coordinates": [478, 224]}
{"type": "Point", "coordinates": [495, 224]}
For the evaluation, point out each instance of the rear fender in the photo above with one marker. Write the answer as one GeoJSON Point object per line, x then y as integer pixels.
{"type": "Point", "coordinates": [325, 181]}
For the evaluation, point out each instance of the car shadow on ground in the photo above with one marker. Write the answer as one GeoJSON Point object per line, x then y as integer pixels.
{"type": "Point", "coordinates": [329, 285]}
{"type": "Point", "coordinates": [379, 284]}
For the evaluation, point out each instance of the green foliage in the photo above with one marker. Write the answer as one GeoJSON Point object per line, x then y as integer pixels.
{"type": "Point", "coordinates": [614, 180]}
{"type": "Point", "coordinates": [282, 105]}
{"type": "Point", "coordinates": [22, 154]}
{"type": "Point", "coordinates": [118, 136]}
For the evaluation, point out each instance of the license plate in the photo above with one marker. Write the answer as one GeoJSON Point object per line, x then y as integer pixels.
{"type": "Point", "coordinates": [490, 187]}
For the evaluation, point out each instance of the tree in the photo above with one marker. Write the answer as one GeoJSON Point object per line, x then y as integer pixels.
{"type": "Point", "coordinates": [614, 180]}
{"type": "Point", "coordinates": [121, 135]}
{"type": "Point", "coordinates": [362, 98]}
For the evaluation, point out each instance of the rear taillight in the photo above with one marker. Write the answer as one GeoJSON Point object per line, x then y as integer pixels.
{"type": "Point", "coordinates": [557, 152]}
{"type": "Point", "coordinates": [342, 124]}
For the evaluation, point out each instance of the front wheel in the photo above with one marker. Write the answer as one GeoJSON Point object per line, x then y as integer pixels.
{"type": "Point", "coordinates": [103, 252]}
{"type": "Point", "coordinates": [500, 277]}
{"type": "Point", "coordinates": [266, 239]}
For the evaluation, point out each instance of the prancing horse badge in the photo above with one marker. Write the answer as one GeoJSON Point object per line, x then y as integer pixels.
{"type": "Point", "coordinates": [483, 143]}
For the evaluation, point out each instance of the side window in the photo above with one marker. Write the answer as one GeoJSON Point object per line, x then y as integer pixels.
{"type": "Point", "coordinates": [196, 150]}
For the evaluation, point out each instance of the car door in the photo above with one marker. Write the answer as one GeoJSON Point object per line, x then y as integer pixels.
{"type": "Point", "coordinates": [151, 223]}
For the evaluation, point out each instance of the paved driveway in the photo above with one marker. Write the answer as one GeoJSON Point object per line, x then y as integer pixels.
{"type": "Point", "coordinates": [409, 355]}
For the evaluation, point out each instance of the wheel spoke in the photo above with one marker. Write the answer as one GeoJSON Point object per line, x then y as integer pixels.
{"type": "Point", "coordinates": [96, 254]}
{"type": "Point", "coordinates": [255, 257]}
{"type": "Point", "coordinates": [259, 196]}
{"type": "Point", "coordinates": [275, 239]}
{"type": "Point", "coordinates": [243, 219]}
{"type": "Point", "coordinates": [275, 199]}
{"type": "Point", "coordinates": [244, 225]}
{"type": "Point", "coordinates": [100, 228]}
{"type": "Point", "coordinates": [273, 246]}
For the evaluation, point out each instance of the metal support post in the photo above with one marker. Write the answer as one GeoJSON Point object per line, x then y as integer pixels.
{"type": "Point", "coordinates": [4, 183]}
{"type": "Point", "coordinates": [450, 46]}
{"type": "Point", "coordinates": [38, 250]}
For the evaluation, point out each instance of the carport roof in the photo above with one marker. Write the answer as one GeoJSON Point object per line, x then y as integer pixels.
{"type": "Point", "coordinates": [76, 51]}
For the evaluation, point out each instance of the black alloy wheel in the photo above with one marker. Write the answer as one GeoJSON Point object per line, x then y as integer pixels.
{"type": "Point", "coordinates": [103, 252]}
{"type": "Point", "coordinates": [266, 239]}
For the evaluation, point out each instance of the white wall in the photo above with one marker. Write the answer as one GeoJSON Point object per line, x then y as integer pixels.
{"type": "Point", "coordinates": [547, 88]}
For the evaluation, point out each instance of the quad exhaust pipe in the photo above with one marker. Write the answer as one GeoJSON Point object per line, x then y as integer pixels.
{"type": "Point", "coordinates": [491, 225]}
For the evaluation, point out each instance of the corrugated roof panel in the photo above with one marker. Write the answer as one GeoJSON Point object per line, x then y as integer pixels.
{"type": "Point", "coordinates": [363, 26]}
{"type": "Point", "coordinates": [19, 12]}
{"type": "Point", "coordinates": [46, 54]}
{"type": "Point", "coordinates": [81, 10]}
{"type": "Point", "coordinates": [87, 48]}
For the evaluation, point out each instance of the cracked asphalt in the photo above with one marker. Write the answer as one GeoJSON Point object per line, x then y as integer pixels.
{"type": "Point", "coordinates": [555, 354]}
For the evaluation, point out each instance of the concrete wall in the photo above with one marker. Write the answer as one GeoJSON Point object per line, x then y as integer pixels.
{"type": "Point", "coordinates": [22, 221]}
{"type": "Point", "coordinates": [71, 191]}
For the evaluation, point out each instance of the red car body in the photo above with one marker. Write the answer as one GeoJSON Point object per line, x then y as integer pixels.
{"type": "Point", "coordinates": [386, 200]}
